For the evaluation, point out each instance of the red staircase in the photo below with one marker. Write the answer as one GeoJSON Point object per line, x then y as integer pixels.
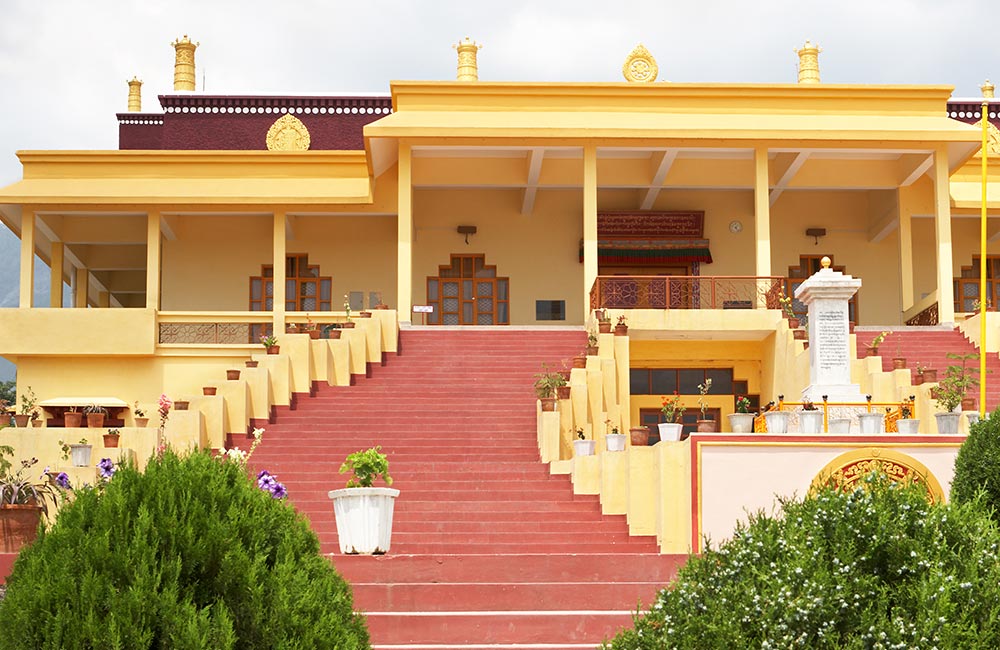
{"type": "Point", "coordinates": [488, 548]}
{"type": "Point", "coordinates": [930, 346]}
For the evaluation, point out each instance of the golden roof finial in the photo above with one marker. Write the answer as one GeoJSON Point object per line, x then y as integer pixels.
{"type": "Point", "coordinates": [987, 89]}
{"type": "Point", "coordinates": [640, 66]}
{"type": "Point", "coordinates": [468, 65]}
{"type": "Point", "coordinates": [825, 262]}
{"type": "Point", "coordinates": [184, 78]}
{"type": "Point", "coordinates": [809, 63]}
{"type": "Point", "coordinates": [135, 95]}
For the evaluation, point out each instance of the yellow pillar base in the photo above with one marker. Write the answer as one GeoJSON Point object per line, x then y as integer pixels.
{"type": "Point", "coordinates": [587, 474]}
{"type": "Point", "coordinates": [641, 490]}
{"type": "Point", "coordinates": [614, 472]}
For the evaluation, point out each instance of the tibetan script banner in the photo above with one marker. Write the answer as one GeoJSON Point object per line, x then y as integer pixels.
{"type": "Point", "coordinates": [650, 225]}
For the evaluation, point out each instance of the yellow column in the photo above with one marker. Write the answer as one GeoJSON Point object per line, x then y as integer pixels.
{"type": "Point", "coordinates": [590, 267]}
{"type": "Point", "coordinates": [762, 212]}
{"type": "Point", "coordinates": [56, 276]}
{"type": "Point", "coordinates": [942, 233]}
{"type": "Point", "coordinates": [27, 257]}
{"type": "Point", "coordinates": [103, 299]}
{"type": "Point", "coordinates": [153, 239]}
{"type": "Point", "coordinates": [82, 287]}
{"type": "Point", "coordinates": [278, 311]}
{"type": "Point", "coordinates": [404, 236]}
{"type": "Point", "coordinates": [903, 202]}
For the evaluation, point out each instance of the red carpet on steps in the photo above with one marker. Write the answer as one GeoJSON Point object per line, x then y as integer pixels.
{"type": "Point", "coordinates": [488, 548]}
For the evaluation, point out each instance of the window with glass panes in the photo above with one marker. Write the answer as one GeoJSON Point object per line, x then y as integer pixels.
{"type": "Point", "coordinates": [967, 285]}
{"type": "Point", "coordinates": [468, 292]}
{"type": "Point", "coordinates": [305, 288]}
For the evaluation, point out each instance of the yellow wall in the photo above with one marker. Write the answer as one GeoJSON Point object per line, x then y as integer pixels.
{"type": "Point", "coordinates": [207, 268]}
{"type": "Point", "coordinates": [540, 252]}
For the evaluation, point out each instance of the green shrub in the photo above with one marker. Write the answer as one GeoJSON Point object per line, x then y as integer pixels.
{"type": "Point", "coordinates": [977, 466]}
{"type": "Point", "coordinates": [190, 554]}
{"type": "Point", "coordinates": [876, 568]}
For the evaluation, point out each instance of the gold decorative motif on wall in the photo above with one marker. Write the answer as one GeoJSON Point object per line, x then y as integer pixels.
{"type": "Point", "coordinates": [640, 66]}
{"type": "Point", "coordinates": [288, 133]}
{"type": "Point", "coordinates": [992, 136]}
{"type": "Point", "coordinates": [847, 471]}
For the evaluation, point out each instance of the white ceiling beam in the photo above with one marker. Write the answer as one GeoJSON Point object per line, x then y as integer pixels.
{"type": "Point", "coordinates": [666, 160]}
{"type": "Point", "coordinates": [787, 177]}
{"type": "Point", "coordinates": [923, 167]}
{"type": "Point", "coordinates": [534, 172]}
{"type": "Point", "coordinates": [290, 227]}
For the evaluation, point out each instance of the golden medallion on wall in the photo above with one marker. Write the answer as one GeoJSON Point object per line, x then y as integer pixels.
{"type": "Point", "coordinates": [992, 136]}
{"type": "Point", "coordinates": [288, 133]}
{"type": "Point", "coordinates": [640, 66]}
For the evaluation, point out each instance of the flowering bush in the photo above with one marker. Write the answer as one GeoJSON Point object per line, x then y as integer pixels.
{"type": "Point", "coordinates": [268, 340]}
{"type": "Point", "coordinates": [671, 408]}
{"type": "Point", "coordinates": [703, 391]}
{"type": "Point", "coordinates": [878, 567]}
{"type": "Point", "coordinates": [742, 404]}
{"type": "Point", "coordinates": [163, 408]}
{"type": "Point", "coordinates": [188, 554]}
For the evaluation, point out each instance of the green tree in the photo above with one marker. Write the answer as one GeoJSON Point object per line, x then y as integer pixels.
{"type": "Point", "coordinates": [189, 554]}
{"type": "Point", "coordinates": [977, 466]}
{"type": "Point", "coordinates": [879, 567]}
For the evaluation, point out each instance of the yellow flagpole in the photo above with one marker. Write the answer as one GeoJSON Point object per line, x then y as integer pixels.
{"type": "Point", "coordinates": [982, 268]}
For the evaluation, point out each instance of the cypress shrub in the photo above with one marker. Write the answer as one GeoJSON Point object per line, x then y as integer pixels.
{"type": "Point", "coordinates": [189, 554]}
{"type": "Point", "coordinates": [877, 568]}
{"type": "Point", "coordinates": [977, 466]}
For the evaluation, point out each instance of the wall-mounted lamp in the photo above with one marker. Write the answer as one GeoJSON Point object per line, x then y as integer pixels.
{"type": "Point", "coordinates": [816, 232]}
{"type": "Point", "coordinates": [468, 230]}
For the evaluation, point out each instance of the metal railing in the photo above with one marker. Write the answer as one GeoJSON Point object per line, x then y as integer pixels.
{"type": "Point", "coordinates": [894, 411]}
{"type": "Point", "coordinates": [687, 292]}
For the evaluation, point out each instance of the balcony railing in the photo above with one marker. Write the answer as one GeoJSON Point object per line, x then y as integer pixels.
{"type": "Point", "coordinates": [687, 292]}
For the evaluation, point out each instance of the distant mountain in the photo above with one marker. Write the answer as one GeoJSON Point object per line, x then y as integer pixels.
{"type": "Point", "coordinates": [10, 278]}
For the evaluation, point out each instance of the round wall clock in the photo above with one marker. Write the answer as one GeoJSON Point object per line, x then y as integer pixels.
{"type": "Point", "coordinates": [735, 226]}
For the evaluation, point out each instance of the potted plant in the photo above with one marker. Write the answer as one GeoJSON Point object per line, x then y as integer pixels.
{"type": "Point", "coordinates": [270, 343]}
{"type": "Point", "coordinates": [810, 418]}
{"type": "Point", "coordinates": [111, 438]}
{"type": "Point", "coordinates": [252, 363]}
{"type": "Point", "coordinates": [580, 360]}
{"type": "Point", "coordinates": [140, 416]}
{"type": "Point", "coordinates": [80, 452]}
{"type": "Point", "coordinates": [364, 512]}
{"type": "Point", "coordinates": [787, 308]}
{"type": "Point", "coordinates": [311, 328]}
{"type": "Point", "coordinates": [22, 504]}
{"type": "Point", "coordinates": [181, 404]}
{"type": "Point", "coordinates": [582, 446]}
{"type": "Point", "coordinates": [877, 341]}
{"type": "Point", "coordinates": [776, 419]}
{"type": "Point", "coordinates": [95, 415]}
{"type": "Point", "coordinates": [72, 418]}
{"type": "Point", "coordinates": [603, 321]}
{"type": "Point", "coordinates": [36, 419]}
{"type": "Point", "coordinates": [378, 301]}
{"type": "Point", "coordinates": [671, 427]}
{"type": "Point", "coordinates": [291, 328]}
{"type": "Point", "coordinates": [639, 436]}
{"type": "Point", "coordinates": [704, 424]}
{"type": "Point", "coordinates": [621, 329]}
{"type": "Point", "coordinates": [347, 309]}
{"type": "Point", "coordinates": [208, 391]}
{"type": "Point", "coordinates": [28, 402]}
{"type": "Point", "coordinates": [906, 424]}
{"type": "Point", "coordinates": [742, 420]}
{"type": "Point", "coordinates": [899, 361]}
{"type": "Point", "coordinates": [546, 387]}
{"type": "Point", "coordinates": [592, 347]}
{"type": "Point", "coordinates": [957, 381]}
{"type": "Point", "coordinates": [614, 441]}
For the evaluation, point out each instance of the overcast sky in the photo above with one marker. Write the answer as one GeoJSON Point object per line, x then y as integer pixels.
{"type": "Point", "coordinates": [64, 63]}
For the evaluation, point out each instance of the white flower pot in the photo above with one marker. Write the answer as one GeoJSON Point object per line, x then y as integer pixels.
{"type": "Point", "coordinates": [741, 422]}
{"type": "Point", "coordinates": [972, 417]}
{"type": "Point", "coordinates": [947, 422]}
{"type": "Point", "coordinates": [811, 421]}
{"type": "Point", "coordinates": [872, 423]}
{"type": "Point", "coordinates": [584, 447]}
{"type": "Point", "coordinates": [80, 455]}
{"type": "Point", "coordinates": [670, 431]}
{"type": "Point", "coordinates": [907, 426]}
{"type": "Point", "coordinates": [364, 519]}
{"type": "Point", "coordinates": [777, 421]}
{"type": "Point", "coordinates": [615, 441]}
{"type": "Point", "coordinates": [840, 425]}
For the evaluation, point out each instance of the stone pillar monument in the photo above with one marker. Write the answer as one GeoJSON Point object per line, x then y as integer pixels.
{"type": "Point", "coordinates": [826, 294]}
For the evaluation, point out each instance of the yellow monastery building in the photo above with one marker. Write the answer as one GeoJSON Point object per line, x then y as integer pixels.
{"type": "Point", "coordinates": [689, 209]}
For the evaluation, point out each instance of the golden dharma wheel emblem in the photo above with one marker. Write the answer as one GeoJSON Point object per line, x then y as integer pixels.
{"type": "Point", "coordinates": [992, 136]}
{"type": "Point", "coordinates": [288, 133]}
{"type": "Point", "coordinates": [640, 66]}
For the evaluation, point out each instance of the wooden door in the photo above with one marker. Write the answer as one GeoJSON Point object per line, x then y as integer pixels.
{"type": "Point", "coordinates": [468, 292]}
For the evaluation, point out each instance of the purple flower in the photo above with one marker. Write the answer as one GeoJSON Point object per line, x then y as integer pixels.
{"type": "Point", "coordinates": [62, 480]}
{"type": "Point", "coordinates": [265, 481]}
{"type": "Point", "coordinates": [262, 473]}
{"type": "Point", "coordinates": [279, 491]}
{"type": "Point", "coordinates": [106, 467]}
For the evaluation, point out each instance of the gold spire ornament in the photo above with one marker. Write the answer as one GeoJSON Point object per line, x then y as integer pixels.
{"type": "Point", "coordinates": [992, 136]}
{"type": "Point", "coordinates": [288, 133]}
{"type": "Point", "coordinates": [184, 78]}
{"type": "Point", "coordinates": [987, 89]}
{"type": "Point", "coordinates": [809, 63]}
{"type": "Point", "coordinates": [640, 66]}
{"type": "Point", "coordinates": [468, 64]}
{"type": "Point", "coordinates": [134, 95]}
